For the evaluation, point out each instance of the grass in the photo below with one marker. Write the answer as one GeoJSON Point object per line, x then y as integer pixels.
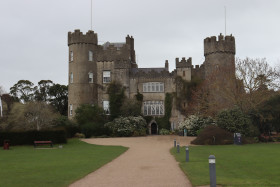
{"type": "Point", "coordinates": [255, 165]}
{"type": "Point", "coordinates": [26, 166]}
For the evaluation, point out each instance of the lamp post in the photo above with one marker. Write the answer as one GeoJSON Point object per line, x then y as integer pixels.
{"type": "Point", "coordinates": [212, 170]}
{"type": "Point", "coordinates": [178, 147]}
{"type": "Point", "coordinates": [187, 153]}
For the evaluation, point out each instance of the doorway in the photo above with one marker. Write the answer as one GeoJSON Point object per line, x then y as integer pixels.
{"type": "Point", "coordinates": [154, 128]}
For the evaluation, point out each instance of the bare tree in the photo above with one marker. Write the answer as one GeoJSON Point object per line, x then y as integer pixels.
{"type": "Point", "coordinates": [31, 116]}
{"type": "Point", "coordinates": [254, 83]}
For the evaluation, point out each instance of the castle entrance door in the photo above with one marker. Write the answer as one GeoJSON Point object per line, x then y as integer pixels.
{"type": "Point", "coordinates": [153, 128]}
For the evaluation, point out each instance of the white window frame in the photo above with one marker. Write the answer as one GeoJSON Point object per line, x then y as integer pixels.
{"type": "Point", "coordinates": [106, 107]}
{"type": "Point", "coordinates": [71, 77]}
{"type": "Point", "coordinates": [153, 108]}
{"type": "Point", "coordinates": [70, 109]}
{"type": "Point", "coordinates": [153, 87]}
{"type": "Point", "coordinates": [106, 76]}
{"type": "Point", "coordinates": [90, 56]}
{"type": "Point", "coordinates": [90, 77]}
{"type": "Point", "coordinates": [71, 56]}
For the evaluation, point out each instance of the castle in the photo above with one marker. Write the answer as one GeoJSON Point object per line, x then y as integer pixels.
{"type": "Point", "coordinates": [92, 67]}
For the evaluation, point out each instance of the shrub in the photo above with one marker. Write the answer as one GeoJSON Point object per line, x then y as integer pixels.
{"type": "Point", "coordinates": [213, 135]}
{"type": "Point", "coordinates": [28, 137]}
{"type": "Point", "coordinates": [164, 132]}
{"type": "Point", "coordinates": [128, 126]}
{"type": "Point", "coordinates": [194, 123]}
{"type": "Point", "coordinates": [235, 120]}
{"type": "Point", "coordinates": [91, 120]}
{"type": "Point", "coordinates": [79, 135]}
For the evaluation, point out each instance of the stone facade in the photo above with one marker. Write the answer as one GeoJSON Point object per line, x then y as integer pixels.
{"type": "Point", "coordinates": [92, 67]}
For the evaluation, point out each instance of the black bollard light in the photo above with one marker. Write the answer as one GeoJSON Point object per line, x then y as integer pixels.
{"type": "Point", "coordinates": [178, 147]}
{"type": "Point", "coordinates": [212, 170]}
{"type": "Point", "coordinates": [174, 142]}
{"type": "Point", "coordinates": [187, 153]}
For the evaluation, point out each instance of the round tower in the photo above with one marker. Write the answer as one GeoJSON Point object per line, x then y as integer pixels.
{"type": "Point", "coordinates": [82, 70]}
{"type": "Point", "coordinates": [219, 55]}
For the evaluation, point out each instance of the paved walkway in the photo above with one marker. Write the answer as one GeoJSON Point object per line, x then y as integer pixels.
{"type": "Point", "coordinates": [146, 163]}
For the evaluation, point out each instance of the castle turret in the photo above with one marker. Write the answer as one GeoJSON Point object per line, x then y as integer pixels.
{"type": "Point", "coordinates": [219, 54]}
{"type": "Point", "coordinates": [130, 43]}
{"type": "Point", "coordinates": [184, 67]}
{"type": "Point", "coordinates": [82, 69]}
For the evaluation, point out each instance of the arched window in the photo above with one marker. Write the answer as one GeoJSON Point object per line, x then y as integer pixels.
{"type": "Point", "coordinates": [90, 56]}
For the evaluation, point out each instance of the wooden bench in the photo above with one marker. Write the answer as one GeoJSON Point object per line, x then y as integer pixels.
{"type": "Point", "coordinates": [43, 143]}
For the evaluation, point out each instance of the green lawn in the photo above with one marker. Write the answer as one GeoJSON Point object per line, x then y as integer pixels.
{"type": "Point", "coordinates": [25, 166]}
{"type": "Point", "coordinates": [246, 165]}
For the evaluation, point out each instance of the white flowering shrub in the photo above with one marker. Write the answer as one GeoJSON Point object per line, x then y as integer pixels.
{"type": "Point", "coordinates": [128, 126]}
{"type": "Point", "coordinates": [194, 123]}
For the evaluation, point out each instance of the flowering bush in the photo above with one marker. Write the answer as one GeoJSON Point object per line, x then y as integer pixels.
{"type": "Point", "coordinates": [194, 123]}
{"type": "Point", "coordinates": [164, 132]}
{"type": "Point", "coordinates": [128, 126]}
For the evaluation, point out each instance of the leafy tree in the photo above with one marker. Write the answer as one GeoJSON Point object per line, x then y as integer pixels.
{"type": "Point", "coordinates": [267, 116]}
{"type": "Point", "coordinates": [131, 107]}
{"type": "Point", "coordinates": [23, 91]}
{"type": "Point", "coordinates": [91, 120]}
{"type": "Point", "coordinates": [42, 91]}
{"type": "Point", "coordinates": [59, 98]}
{"type": "Point", "coordinates": [116, 98]}
{"type": "Point", "coordinates": [234, 120]}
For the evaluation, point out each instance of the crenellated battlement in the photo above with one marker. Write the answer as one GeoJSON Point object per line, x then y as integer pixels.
{"type": "Point", "coordinates": [184, 63]}
{"type": "Point", "coordinates": [222, 45]}
{"type": "Point", "coordinates": [78, 37]}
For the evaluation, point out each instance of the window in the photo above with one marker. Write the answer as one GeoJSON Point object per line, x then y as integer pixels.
{"type": "Point", "coordinates": [153, 87]}
{"type": "Point", "coordinates": [71, 56]}
{"type": "Point", "coordinates": [153, 108]}
{"type": "Point", "coordinates": [106, 76]}
{"type": "Point", "coordinates": [106, 107]}
{"type": "Point", "coordinates": [70, 110]}
{"type": "Point", "coordinates": [90, 77]}
{"type": "Point", "coordinates": [183, 73]}
{"type": "Point", "coordinates": [90, 56]}
{"type": "Point", "coordinates": [71, 77]}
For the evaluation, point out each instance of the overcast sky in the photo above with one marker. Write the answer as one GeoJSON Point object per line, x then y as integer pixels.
{"type": "Point", "coordinates": [33, 35]}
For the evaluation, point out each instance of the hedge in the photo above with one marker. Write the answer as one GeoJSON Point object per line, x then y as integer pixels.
{"type": "Point", "coordinates": [28, 137]}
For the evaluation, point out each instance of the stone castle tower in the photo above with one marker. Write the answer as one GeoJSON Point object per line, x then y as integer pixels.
{"type": "Point", "coordinates": [220, 54]}
{"type": "Point", "coordinates": [92, 67]}
{"type": "Point", "coordinates": [84, 53]}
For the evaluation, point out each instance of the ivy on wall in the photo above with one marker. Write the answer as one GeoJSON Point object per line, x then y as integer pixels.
{"type": "Point", "coordinates": [163, 122]}
{"type": "Point", "coordinates": [184, 91]}
{"type": "Point", "coordinates": [116, 98]}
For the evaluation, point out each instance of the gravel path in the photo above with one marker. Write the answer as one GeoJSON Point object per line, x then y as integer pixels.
{"type": "Point", "coordinates": [147, 162]}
